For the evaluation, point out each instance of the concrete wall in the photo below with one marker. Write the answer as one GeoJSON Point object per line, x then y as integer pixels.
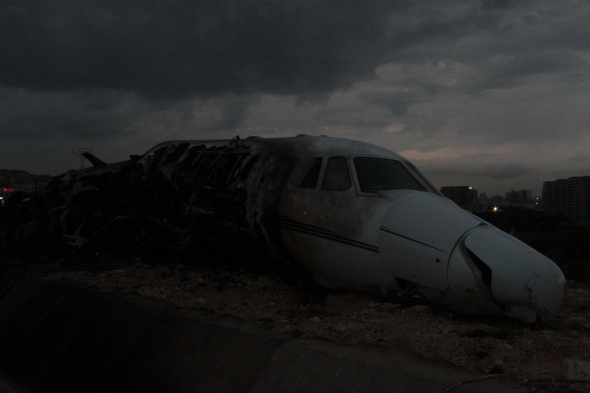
{"type": "Point", "coordinates": [58, 336]}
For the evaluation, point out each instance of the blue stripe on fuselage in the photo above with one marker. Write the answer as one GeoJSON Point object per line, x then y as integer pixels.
{"type": "Point", "coordinates": [323, 233]}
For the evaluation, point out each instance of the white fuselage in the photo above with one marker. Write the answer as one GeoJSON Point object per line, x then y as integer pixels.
{"type": "Point", "coordinates": [361, 217]}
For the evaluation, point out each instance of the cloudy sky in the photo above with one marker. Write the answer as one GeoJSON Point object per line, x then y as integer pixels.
{"type": "Point", "coordinates": [491, 94]}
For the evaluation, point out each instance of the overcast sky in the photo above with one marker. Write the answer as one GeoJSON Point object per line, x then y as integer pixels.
{"type": "Point", "coordinates": [490, 94]}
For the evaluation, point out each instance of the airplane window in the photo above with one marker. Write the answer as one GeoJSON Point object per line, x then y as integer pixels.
{"type": "Point", "coordinates": [379, 174]}
{"type": "Point", "coordinates": [337, 177]}
{"type": "Point", "coordinates": [312, 174]}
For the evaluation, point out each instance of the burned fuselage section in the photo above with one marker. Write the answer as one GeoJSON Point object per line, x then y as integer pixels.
{"type": "Point", "coordinates": [352, 214]}
{"type": "Point", "coordinates": [231, 181]}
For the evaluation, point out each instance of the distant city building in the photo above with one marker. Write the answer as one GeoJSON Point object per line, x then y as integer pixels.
{"type": "Point", "coordinates": [18, 181]}
{"type": "Point", "coordinates": [497, 200]}
{"type": "Point", "coordinates": [12, 181]}
{"type": "Point", "coordinates": [488, 203]}
{"type": "Point", "coordinates": [568, 197]}
{"type": "Point", "coordinates": [519, 198]}
{"type": "Point", "coordinates": [464, 196]}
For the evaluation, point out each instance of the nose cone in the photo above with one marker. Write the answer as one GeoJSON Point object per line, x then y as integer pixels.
{"type": "Point", "coordinates": [417, 235]}
{"type": "Point", "coordinates": [526, 283]}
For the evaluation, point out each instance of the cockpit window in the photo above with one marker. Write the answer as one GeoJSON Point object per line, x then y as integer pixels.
{"type": "Point", "coordinates": [425, 181]}
{"type": "Point", "coordinates": [337, 177]}
{"type": "Point", "coordinates": [312, 174]}
{"type": "Point", "coordinates": [380, 174]}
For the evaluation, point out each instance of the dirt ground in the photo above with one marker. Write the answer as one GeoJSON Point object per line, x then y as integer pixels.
{"type": "Point", "coordinates": [549, 357]}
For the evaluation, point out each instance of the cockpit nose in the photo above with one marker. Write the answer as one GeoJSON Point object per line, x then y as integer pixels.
{"type": "Point", "coordinates": [525, 283]}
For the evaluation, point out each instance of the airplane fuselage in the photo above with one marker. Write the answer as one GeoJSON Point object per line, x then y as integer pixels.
{"type": "Point", "coordinates": [361, 217]}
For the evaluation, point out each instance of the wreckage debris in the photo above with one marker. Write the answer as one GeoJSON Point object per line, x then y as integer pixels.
{"type": "Point", "coordinates": [354, 215]}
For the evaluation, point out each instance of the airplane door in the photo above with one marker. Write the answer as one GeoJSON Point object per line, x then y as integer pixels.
{"type": "Point", "coordinates": [321, 194]}
{"type": "Point", "coordinates": [325, 227]}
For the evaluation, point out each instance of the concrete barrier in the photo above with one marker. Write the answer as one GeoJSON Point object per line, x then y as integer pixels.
{"type": "Point", "coordinates": [59, 336]}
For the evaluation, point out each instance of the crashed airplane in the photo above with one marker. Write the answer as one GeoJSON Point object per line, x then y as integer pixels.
{"type": "Point", "coordinates": [354, 215]}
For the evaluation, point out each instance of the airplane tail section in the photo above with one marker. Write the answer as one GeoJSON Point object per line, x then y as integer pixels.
{"type": "Point", "coordinates": [94, 160]}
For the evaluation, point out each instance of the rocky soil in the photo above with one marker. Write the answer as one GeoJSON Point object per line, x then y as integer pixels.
{"type": "Point", "coordinates": [549, 357]}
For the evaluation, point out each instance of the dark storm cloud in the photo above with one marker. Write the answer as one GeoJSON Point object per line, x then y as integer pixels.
{"type": "Point", "coordinates": [497, 4]}
{"type": "Point", "coordinates": [179, 48]}
{"type": "Point", "coordinates": [500, 171]}
{"type": "Point", "coordinates": [514, 70]}
{"type": "Point", "coordinates": [406, 74]}
{"type": "Point", "coordinates": [43, 115]}
{"type": "Point", "coordinates": [397, 103]}
{"type": "Point", "coordinates": [207, 47]}
{"type": "Point", "coordinates": [503, 42]}
{"type": "Point", "coordinates": [25, 115]}
{"type": "Point", "coordinates": [222, 113]}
